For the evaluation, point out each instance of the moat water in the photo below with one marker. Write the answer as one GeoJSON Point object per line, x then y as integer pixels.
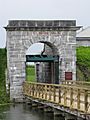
{"type": "Point", "coordinates": [21, 112]}
{"type": "Point", "coordinates": [24, 112]}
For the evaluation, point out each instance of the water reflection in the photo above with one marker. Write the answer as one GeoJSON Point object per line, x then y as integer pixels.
{"type": "Point", "coordinates": [26, 112]}
{"type": "Point", "coordinates": [22, 112]}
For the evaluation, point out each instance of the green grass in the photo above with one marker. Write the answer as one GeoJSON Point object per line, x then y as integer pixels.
{"type": "Point", "coordinates": [30, 73]}
{"type": "Point", "coordinates": [4, 98]}
{"type": "Point", "coordinates": [83, 63]}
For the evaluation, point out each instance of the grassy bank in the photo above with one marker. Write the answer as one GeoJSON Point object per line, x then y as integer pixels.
{"type": "Point", "coordinates": [4, 98]}
{"type": "Point", "coordinates": [83, 63]}
{"type": "Point", "coordinates": [30, 73]}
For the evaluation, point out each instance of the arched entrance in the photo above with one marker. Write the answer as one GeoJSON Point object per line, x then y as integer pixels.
{"type": "Point", "coordinates": [59, 36]}
{"type": "Point", "coordinates": [46, 63]}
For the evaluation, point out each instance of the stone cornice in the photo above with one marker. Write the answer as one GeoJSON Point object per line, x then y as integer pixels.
{"type": "Point", "coordinates": [42, 28]}
{"type": "Point", "coordinates": [28, 25]}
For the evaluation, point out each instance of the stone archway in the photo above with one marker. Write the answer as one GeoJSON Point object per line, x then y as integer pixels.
{"type": "Point", "coordinates": [46, 63]}
{"type": "Point", "coordinates": [21, 34]}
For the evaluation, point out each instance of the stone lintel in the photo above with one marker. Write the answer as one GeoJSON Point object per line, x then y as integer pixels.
{"type": "Point", "coordinates": [30, 25]}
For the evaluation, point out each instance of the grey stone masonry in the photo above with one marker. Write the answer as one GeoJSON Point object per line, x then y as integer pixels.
{"type": "Point", "coordinates": [60, 35]}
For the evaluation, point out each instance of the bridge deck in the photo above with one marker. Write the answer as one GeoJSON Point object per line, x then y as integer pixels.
{"type": "Point", "coordinates": [67, 95]}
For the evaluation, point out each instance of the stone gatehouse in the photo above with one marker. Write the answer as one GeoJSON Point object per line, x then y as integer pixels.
{"type": "Point", "coordinates": [59, 37]}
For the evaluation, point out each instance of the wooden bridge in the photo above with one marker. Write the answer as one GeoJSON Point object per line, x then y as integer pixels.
{"type": "Point", "coordinates": [71, 97]}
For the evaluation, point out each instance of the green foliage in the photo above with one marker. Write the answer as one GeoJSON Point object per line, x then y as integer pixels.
{"type": "Point", "coordinates": [83, 62]}
{"type": "Point", "coordinates": [2, 64]}
{"type": "Point", "coordinates": [30, 73]}
{"type": "Point", "coordinates": [3, 96]}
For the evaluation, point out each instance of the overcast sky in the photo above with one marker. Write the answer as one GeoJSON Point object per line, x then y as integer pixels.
{"type": "Point", "coordinates": [43, 9]}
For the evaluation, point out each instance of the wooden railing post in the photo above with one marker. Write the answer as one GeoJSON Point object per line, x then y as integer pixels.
{"type": "Point", "coordinates": [35, 90]}
{"type": "Point", "coordinates": [45, 92]}
{"type": "Point", "coordinates": [65, 96]}
{"type": "Point", "coordinates": [54, 94]}
{"type": "Point", "coordinates": [42, 91]}
{"type": "Point", "coordinates": [78, 99]}
{"type": "Point", "coordinates": [86, 100]}
{"type": "Point", "coordinates": [71, 97]}
{"type": "Point", "coordinates": [50, 92]}
{"type": "Point", "coordinates": [39, 91]}
{"type": "Point", "coordinates": [59, 94]}
{"type": "Point", "coordinates": [32, 89]}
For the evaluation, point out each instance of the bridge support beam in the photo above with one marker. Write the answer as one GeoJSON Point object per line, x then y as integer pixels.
{"type": "Point", "coordinates": [70, 117]}
{"type": "Point", "coordinates": [48, 112]}
{"type": "Point", "coordinates": [34, 105]}
{"type": "Point", "coordinates": [58, 115]}
{"type": "Point", "coordinates": [41, 108]}
{"type": "Point", "coordinates": [48, 109]}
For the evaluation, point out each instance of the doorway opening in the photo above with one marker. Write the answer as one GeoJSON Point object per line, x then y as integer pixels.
{"type": "Point", "coordinates": [42, 65]}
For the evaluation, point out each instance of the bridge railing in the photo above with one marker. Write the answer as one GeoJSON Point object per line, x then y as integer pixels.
{"type": "Point", "coordinates": [77, 98]}
{"type": "Point", "coordinates": [76, 83]}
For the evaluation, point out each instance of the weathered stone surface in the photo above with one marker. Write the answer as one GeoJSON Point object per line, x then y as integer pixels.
{"type": "Point", "coordinates": [59, 35]}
